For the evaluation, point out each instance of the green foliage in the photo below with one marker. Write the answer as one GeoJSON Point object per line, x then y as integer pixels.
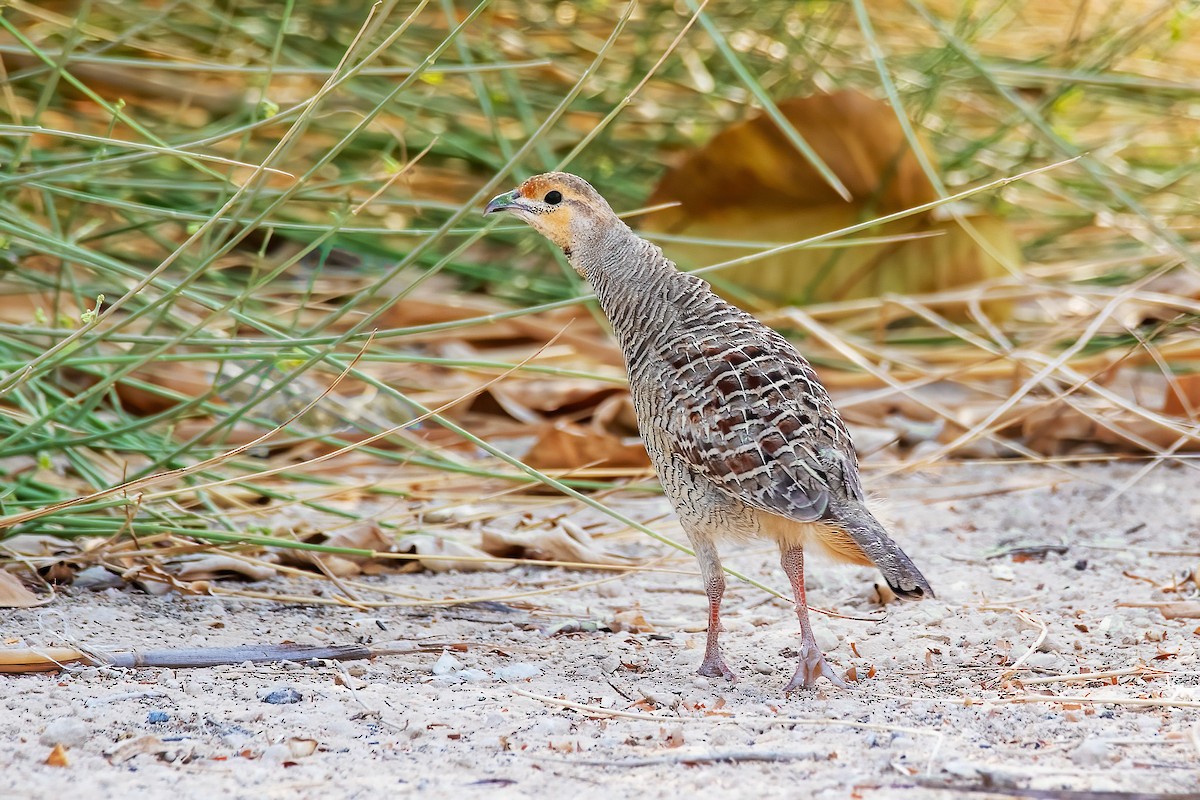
{"type": "Point", "coordinates": [240, 192]}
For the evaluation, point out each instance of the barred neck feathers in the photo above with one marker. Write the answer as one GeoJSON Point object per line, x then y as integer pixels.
{"type": "Point", "coordinates": [639, 289]}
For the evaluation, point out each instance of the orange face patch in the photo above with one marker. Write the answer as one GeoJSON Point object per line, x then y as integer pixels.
{"type": "Point", "coordinates": [553, 222]}
{"type": "Point", "coordinates": [536, 188]}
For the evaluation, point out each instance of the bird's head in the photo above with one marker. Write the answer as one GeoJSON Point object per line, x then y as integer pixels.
{"type": "Point", "coordinates": [562, 207]}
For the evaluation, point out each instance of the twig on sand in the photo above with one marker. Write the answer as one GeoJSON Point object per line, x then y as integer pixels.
{"type": "Point", "coordinates": [49, 659]}
{"type": "Point", "coordinates": [990, 788]}
{"type": "Point", "coordinates": [1141, 671]}
{"type": "Point", "coordinates": [710, 757]}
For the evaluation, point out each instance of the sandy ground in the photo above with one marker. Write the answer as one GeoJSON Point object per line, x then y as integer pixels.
{"type": "Point", "coordinates": [937, 704]}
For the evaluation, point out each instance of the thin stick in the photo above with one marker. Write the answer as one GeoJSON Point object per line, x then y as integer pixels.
{"type": "Point", "coordinates": [1094, 676]}
{"type": "Point", "coordinates": [48, 659]}
{"type": "Point", "coordinates": [710, 757]}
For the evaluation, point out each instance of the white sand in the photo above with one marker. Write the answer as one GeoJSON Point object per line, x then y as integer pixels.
{"type": "Point", "coordinates": [399, 730]}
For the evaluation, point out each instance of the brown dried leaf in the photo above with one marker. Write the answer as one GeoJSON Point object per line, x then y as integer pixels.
{"type": "Point", "coordinates": [142, 745]}
{"type": "Point", "coordinates": [1177, 610]}
{"type": "Point", "coordinates": [310, 529]}
{"type": "Point", "coordinates": [184, 378]}
{"type": "Point", "coordinates": [752, 164]}
{"type": "Point", "coordinates": [214, 566]}
{"type": "Point", "coordinates": [39, 659]}
{"type": "Point", "coordinates": [1053, 427]}
{"type": "Point", "coordinates": [564, 542]}
{"type": "Point", "coordinates": [750, 183]}
{"type": "Point", "coordinates": [301, 747]}
{"type": "Point", "coordinates": [58, 757]}
{"type": "Point", "coordinates": [528, 400]}
{"type": "Point", "coordinates": [365, 535]}
{"type": "Point", "coordinates": [18, 308]}
{"type": "Point", "coordinates": [13, 593]}
{"type": "Point", "coordinates": [632, 621]}
{"type": "Point", "coordinates": [438, 553]}
{"type": "Point", "coordinates": [1183, 396]}
{"type": "Point", "coordinates": [38, 545]}
{"type": "Point", "coordinates": [144, 86]}
{"type": "Point", "coordinates": [565, 445]}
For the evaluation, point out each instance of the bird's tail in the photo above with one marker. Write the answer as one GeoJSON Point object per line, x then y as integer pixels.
{"type": "Point", "coordinates": [898, 569]}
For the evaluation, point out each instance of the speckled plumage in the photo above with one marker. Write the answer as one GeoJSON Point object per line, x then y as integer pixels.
{"type": "Point", "coordinates": [744, 437]}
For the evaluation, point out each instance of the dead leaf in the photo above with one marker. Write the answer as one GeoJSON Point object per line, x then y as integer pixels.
{"type": "Point", "coordinates": [13, 593]}
{"type": "Point", "coordinates": [438, 553]}
{"type": "Point", "coordinates": [183, 378]}
{"type": "Point", "coordinates": [1055, 426]}
{"type": "Point", "coordinates": [531, 400]}
{"type": "Point", "coordinates": [57, 757]}
{"type": "Point", "coordinates": [300, 747]}
{"type": "Point", "coordinates": [566, 445]}
{"type": "Point", "coordinates": [314, 529]}
{"type": "Point", "coordinates": [563, 542]}
{"type": "Point", "coordinates": [142, 745]}
{"type": "Point", "coordinates": [1183, 396]}
{"type": "Point", "coordinates": [1177, 610]}
{"type": "Point", "coordinates": [631, 621]}
{"type": "Point", "coordinates": [38, 545]}
{"type": "Point", "coordinates": [40, 659]}
{"type": "Point", "coordinates": [214, 566]}
{"type": "Point", "coordinates": [615, 416]}
{"type": "Point", "coordinates": [750, 184]}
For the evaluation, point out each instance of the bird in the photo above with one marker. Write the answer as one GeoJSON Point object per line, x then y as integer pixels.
{"type": "Point", "coordinates": [744, 437]}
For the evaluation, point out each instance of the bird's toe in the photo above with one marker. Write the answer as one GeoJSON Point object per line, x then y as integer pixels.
{"type": "Point", "coordinates": [812, 667]}
{"type": "Point", "coordinates": [715, 667]}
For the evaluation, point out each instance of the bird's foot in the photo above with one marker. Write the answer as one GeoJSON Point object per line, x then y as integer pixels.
{"type": "Point", "coordinates": [812, 666]}
{"type": "Point", "coordinates": [714, 666]}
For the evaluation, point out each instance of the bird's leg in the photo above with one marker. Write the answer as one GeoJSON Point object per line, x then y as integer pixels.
{"type": "Point", "coordinates": [713, 665]}
{"type": "Point", "coordinates": [812, 662]}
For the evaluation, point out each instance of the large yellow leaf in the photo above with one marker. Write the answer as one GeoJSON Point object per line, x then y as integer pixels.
{"type": "Point", "coordinates": [13, 593]}
{"type": "Point", "coordinates": [750, 184]}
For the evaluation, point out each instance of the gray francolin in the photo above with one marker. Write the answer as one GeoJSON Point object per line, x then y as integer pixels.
{"type": "Point", "coordinates": [741, 432]}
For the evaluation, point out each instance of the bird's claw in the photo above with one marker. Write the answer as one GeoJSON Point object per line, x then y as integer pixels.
{"type": "Point", "coordinates": [714, 666]}
{"type": "Point", "coordinates": [811, 668]}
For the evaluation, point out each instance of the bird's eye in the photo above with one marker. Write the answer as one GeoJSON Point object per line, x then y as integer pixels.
{"type": "Point", "coordinates": [554, 197]}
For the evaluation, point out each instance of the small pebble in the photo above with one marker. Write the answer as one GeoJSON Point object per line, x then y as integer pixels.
{"type": "Point", "coordinates": [933, 613]}
{"type": "Point", "coordinates": [660, 699]}
{"type": "Point", "coordinates": [96, 578]}
{"type": "Point", "coordinates": [1042, 661]}
{"type": "Point", "coordinates": [446, 664]}
{"type": "Point", "coordinates": [518, 672]}
{"type": "Point", "coordinates": [551, 726]}
{"type": "Point", "coordinates": [67, 731]}
{"type": "Point", "coordinates": [826, 640]}
{"type": "Point", "coordinates": [282, 697]}
{"type": "Point", "coordinates": [276, 754]}
{"type": "Point", "coordinates": [1091, 752]}
{"type": "Point", "coordinates": [1003, 572]}
{"type": "Point", "coordinates": [962, 769]}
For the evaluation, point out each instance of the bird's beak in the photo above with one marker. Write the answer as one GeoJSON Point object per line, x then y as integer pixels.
{"type": "Point", "coordinates": [502, 202]}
